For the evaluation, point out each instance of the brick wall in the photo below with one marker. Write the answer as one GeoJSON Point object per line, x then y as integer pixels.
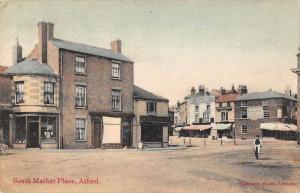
{"type": "Point", "coordinates": [99, 85]}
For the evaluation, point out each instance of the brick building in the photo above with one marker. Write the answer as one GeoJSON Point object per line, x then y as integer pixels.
{"type": "Point", "coordinates": [70, 95]}
{"type": "Point", "coordinates": [253, 109]}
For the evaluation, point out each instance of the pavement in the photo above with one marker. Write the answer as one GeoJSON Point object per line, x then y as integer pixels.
{"type": "Point", "coordinates": [200, 168]}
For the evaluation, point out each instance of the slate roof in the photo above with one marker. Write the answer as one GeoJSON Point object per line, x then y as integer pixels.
{"type": "Point", "coordinates": [139, 93]}
{"type": "Point", "coordinates": [263, 95]}
{"type": "Point", "coordinates": [87, 49]}
{"type": "Point", "coordinates": [30, 66]}
{"type": "Point", "coordinates": [227, 98]}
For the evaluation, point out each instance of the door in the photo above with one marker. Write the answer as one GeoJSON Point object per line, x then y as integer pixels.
{"type": "Point", "coordinates": [33, 134]}
{"type": "Point", "coordinates": [126, 135]}
{"type": "Point", "coordinates": [97, 133]}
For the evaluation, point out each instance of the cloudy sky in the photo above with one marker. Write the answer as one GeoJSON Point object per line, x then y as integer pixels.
{"type": "Point", "coordinates": [175, 44]}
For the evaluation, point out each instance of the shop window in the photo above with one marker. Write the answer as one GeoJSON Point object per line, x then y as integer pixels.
{"type": "Point", "coordinates": [20, 130]}
{"type": "Point", "coordinates": [152, 133]}
{"type": "Point", "coordinates": [48, 129]}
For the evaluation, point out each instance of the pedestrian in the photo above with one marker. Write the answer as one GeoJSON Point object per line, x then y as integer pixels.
{"type": "Point", "coordinates": [257, 146]}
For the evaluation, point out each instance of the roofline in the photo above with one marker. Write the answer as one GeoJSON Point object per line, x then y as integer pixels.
{"type": "Point", "coordinates": [267, 98]}
{"type": "Point", "coordinates": [146, 98]}
{"type": "Point", "coordinates": [128, 61]}
{"type": "Point", "coordinates": [33, 74]}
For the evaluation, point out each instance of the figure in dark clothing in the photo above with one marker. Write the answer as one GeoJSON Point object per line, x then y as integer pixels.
{"type": "Point", "coordinates": [257, 146]}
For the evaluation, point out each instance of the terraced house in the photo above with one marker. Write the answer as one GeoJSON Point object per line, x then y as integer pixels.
{"type": "Point", "coordinates": [68, 95]}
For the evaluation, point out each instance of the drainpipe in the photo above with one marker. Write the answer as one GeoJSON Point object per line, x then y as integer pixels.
{"type": "Point", "coordinates": [60, 145]}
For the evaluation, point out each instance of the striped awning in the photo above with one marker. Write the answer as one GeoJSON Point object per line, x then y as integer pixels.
{"type": "Point", "coordinates": [278, 127]}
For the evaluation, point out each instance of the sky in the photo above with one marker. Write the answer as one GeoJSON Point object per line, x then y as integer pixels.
{"type": "Point", "coordinates": [175, 44]}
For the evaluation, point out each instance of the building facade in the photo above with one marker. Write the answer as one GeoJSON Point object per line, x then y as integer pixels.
{"type": "Point", "coordinates": [262, 107]}
{"type": "Point", "coordinates": [200, 106]}
{"type": "Point", "coordinates": [151, 121]}
{"type": "Point", "coordinates": [82, 98]}
{"type": "Point", "coordinates": [297, 71]}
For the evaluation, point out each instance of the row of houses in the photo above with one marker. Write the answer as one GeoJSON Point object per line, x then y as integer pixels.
{"type": "Point", "coordinates": [70, 95]}
{"type": "Point", "coordinates": [236, 113]}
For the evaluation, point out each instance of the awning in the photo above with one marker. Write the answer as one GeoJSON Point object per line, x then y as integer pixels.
{"type": "Point", "coordinates": [278, 127]}
{"type": "Point", "coordinates": [197, 127]}
{"type": "Point", "coordinates": [222, 126]}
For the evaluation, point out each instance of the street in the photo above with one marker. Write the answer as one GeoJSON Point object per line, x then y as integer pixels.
{"type": "Point", "coordinates": [211, 168]}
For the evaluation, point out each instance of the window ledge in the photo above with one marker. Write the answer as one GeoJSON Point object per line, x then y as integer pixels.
{"type": "Point", "coordinates": [116, 110]}
{"type": "Point", "coordinates": [81, 74]}
{"type": "Point", "coordinates": [119, 79]}
{"type": "Point", "coordinates": [80, 140]}
{"type": "Point", "coordinates": [80, 107]}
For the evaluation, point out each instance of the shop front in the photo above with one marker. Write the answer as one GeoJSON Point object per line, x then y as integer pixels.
{"type": "Point", "coordinates": [35, 131]}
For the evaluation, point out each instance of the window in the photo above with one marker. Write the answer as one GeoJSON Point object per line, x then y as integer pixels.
{"type": "Point", "coordinates": [243, 103]}
{"type": "Point", "coordinates": [208, 107]}
{"type": "Point", "coordinates": [244, 113]}
{"type": "Point", "coordinates": [116, 73]}
{"type": "Point", "coordinates": [228, 104]}
{"type": "Point", "coordinates": [116, 100]}
{"type": "Point", "coordinates": [80, 64]}
{"type": "Point", "coordinates": [19, 92]}
{"type": "Point", "coordinates": [196, 108]}
{"type": "Point", "coordinates": [224, 116]}
{"type": "Point", "coordinates": [206, 118]}
{"type": "Point", "coordinates": [266, 111]}
{"type": "Point", "coordinates": [220, 105]}
{"type": "Point", "coordinates": [151, 133]}
{"type": "Point", "coordinates": [244, 129]}
{"type": "Point", "coordinates": [151, 108]}
{"type": "Point", "coordinates": [48, 93]}
{"type": "Point", "coordinates": [48, 130]}
{"type": "Point", "coordinates": [80, 130]}
{"type": "Point", "coordinates": [80, 100]}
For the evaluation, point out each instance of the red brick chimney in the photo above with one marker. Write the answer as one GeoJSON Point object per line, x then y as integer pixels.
{"type": "Point", "coordinates": [116, 45]}
{"type": "Point", "coordinates": [45, 33]}
{"type": "Point", "coordinates": [17, 52]}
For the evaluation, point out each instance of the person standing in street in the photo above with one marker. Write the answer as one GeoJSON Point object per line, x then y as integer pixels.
{"type": "Point", "coordinates": [257, 146]}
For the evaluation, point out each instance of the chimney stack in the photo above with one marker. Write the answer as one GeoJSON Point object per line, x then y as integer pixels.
{"type": "Point", "coordinates": [45, 33]}
{"type": "Point", "coordinates": [193, 91]}
{"type": "Point", "coordinates": [201, 90]}
{"type": "Point", "coordinates": [242, 90]}
{"type": "Point", "coordinates": [17, 52]}
{"type": "Point", "coordinates": [116, 46]}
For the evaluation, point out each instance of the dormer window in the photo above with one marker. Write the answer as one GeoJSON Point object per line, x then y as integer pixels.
{"type": "Point", "coordinates": [151, 108]}
{"type": "Point", "coordinates": [80, 64]}
{"type": "Point", "coordinates": [19, 92]}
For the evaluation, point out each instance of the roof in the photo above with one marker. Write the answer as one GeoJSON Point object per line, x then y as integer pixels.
{"type": "Point", "coordinates": [227, 98]}
{"type": "Point", "coordinates": [139, 93]}
{"type": "Point", "coordinates": [30, 66]}
{"type": "Point", "coordinates": [263, 95]}
{"type": "Point", "coordinates": [87, 49]}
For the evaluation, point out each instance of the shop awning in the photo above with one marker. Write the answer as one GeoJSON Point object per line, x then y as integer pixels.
{"type": "Point", "coordinates": [278, 127]}
{"type": "Point", "coordinates": [222, 126]}
{"type": "Point", "coordinates": [197, 127]}
{"type": "Point", "coordinates": [178, 129]}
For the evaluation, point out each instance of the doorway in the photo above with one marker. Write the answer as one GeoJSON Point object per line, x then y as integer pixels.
{"type": "Point", "coordinates": [33, 134]}
{"type": "Point", "coordinates": [97, 133]}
